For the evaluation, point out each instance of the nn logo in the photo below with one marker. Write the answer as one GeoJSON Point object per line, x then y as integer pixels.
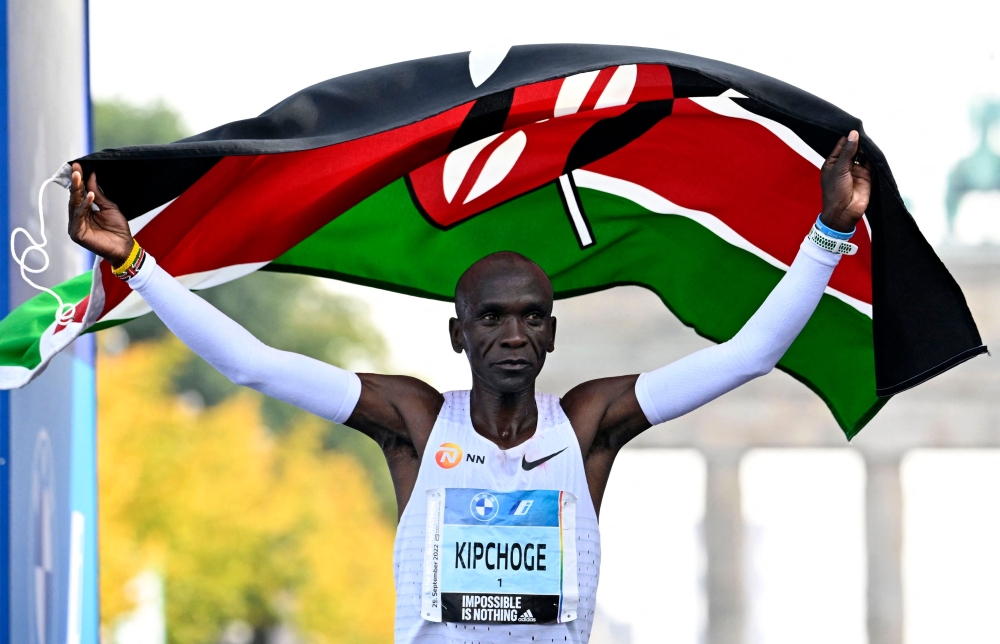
{"type": "Point", "coordinates": [475, 458]}
{"type": "Point", "coordinates": [448, 456]}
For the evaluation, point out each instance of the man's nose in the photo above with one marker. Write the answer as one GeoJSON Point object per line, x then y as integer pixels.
{"type": "Point", "coordinates": [514, 336]}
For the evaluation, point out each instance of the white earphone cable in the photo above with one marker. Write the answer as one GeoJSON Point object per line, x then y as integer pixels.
{"type": "Point", "coordinates": [65, 310]}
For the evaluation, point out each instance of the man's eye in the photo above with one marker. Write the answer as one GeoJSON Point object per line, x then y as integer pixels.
{"type": "Point", "coordinates": [490, 317]}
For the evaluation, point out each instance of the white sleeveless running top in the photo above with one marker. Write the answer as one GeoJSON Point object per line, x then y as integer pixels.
{"type": "Point", "coordinates": [457, 457]}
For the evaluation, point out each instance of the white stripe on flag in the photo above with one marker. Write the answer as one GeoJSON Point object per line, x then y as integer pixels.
{"type": "Point", "coordinates": [579, 225]}
{"type": "Point", "coordinates": [143, 220]}
{"type": "Point", "coordinates": [725, 106]}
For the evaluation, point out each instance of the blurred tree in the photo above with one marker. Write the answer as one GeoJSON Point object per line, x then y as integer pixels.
{"type": "Point", "coordinates": [118, 123]}
{"type": "Point", "coordinates": [291, 312]}
{"type": "Point", "coordinates": [242, 523]}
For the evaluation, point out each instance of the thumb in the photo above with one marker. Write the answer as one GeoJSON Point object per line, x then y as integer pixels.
{"type": "Point", "coordinates": [99, 197]}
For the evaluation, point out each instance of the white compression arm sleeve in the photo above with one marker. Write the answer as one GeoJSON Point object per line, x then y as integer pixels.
{"type": "Point", "coordinates": [312, 385]}
{"type": "Point", "coordinates": [694, 380]}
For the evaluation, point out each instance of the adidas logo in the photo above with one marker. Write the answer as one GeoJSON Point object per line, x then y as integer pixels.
{"type": "Point", "coordinates": [526, 616]}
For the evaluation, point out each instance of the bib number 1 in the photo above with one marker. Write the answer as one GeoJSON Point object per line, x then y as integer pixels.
{"type": "Point", "coordinates": [528, 535]}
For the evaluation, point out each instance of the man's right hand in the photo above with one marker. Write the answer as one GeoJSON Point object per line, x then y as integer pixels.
{"type": "Point", "coordinates": [104, 232]}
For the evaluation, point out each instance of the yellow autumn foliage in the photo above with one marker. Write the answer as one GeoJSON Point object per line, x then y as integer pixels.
{"type": "Point", "coordinates": [242, 524]}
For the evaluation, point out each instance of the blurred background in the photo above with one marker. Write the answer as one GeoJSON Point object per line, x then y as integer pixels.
{"type": "Point", "coordinates": [228, 518]}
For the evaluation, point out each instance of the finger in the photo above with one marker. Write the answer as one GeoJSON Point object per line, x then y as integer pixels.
{"type": "Point", "coordinates": [862, 172]}
{"type": "Point", "coordinates": [82, 210]}
{"type": "Point", "coordinates": [832, 159]}
{"type": "Point", "coordinates": [76, 193]}
{"type": "Point", "coordinates": [846, 157]}
{"type": "Point", "coordinates": [99, 198]}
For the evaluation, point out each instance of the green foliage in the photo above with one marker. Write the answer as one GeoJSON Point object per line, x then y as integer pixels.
{"type": "Point", "coordinates": [293, 313]}
{"type": "Point", "coordinates": [118, 123]}
{"type": "Point", "coordinates": [240, 523]}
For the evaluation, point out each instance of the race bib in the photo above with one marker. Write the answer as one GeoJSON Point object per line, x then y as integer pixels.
{"type": "Point", "coordinates": [500, 557]}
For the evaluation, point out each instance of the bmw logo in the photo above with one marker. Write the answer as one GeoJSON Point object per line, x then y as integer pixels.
{"type": "Point", "coordinates": [484, 506]}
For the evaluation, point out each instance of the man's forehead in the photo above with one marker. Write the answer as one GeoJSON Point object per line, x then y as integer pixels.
{"type": "Point", "coordinates": [503, 269]}
{"type": "Point", "coordinates": [504, 281]}
{"type": "Point", "coordinates": [514, 277]}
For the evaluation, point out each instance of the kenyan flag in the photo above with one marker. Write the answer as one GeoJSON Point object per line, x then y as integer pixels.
{"type": "Point", "coordinates": [606, 165]}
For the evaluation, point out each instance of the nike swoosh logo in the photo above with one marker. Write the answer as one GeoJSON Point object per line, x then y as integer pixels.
{"type": "Point", "coordinates": [530, 465]}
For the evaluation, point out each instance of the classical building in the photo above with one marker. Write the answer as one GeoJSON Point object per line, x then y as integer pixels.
{"type": "Point", "coordinates": [626, 330]}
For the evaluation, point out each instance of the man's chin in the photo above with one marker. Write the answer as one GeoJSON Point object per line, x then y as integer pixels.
{"type": "Point", "coordinates": [513, 381]}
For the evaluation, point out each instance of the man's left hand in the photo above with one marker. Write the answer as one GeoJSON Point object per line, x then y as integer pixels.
{"type": "Point", "coordinates": [847, 185]}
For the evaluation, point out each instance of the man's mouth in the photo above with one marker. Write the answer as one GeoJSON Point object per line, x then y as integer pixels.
{"type": "Point", "coordinates": [513, 363]}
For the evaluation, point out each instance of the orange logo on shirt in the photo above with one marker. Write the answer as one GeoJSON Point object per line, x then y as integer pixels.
{"type": "Point", "coordinates": [448, 456]}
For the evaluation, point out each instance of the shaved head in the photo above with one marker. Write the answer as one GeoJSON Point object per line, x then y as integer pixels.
{"type": "Point", "coordinates": [506, 266]}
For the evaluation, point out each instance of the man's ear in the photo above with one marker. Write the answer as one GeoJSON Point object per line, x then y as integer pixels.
{"type": "Point", "coordinates": [552, 337]}
{"type": "Point", "coordinates": [455, 330]}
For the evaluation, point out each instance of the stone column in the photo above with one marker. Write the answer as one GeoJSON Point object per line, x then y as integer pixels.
{"type": "Point", "coordinates": [884, 510]}
{"type": "Point", "coordinates": [724, 543]}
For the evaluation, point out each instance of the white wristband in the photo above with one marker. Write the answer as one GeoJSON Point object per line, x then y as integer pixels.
{"type": "Point", "coordinates": [831, 244]}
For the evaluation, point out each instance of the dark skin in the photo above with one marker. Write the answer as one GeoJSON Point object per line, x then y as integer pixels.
{"type": "Point", "coordinates": [505, 326]}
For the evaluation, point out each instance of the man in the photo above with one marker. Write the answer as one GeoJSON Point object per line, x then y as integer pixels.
{"type": "Point", "coordinates": [498, 487]}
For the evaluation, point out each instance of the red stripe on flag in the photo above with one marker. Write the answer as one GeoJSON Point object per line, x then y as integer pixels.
{"type": "Point", "coordinates": [532, 103]}
{"type": "Point", "coordinates": [652, 83]}
{"type": "Point", "coordinates": [740, 172]}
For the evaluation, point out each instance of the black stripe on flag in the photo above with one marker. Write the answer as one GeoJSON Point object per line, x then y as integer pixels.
{"type": "Point", "coordinates": [612, 134]}
{"type": "Point", "coordinates": [486, 118]}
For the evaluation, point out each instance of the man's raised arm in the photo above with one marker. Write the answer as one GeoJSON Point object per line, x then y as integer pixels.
{"type": "Point", "coordinates": [314, 386]}
{"type": "Point", "coordinates": [615, 410]}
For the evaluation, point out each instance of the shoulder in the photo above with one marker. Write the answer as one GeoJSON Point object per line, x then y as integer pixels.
{"type": "Point", "coordinates": [590, 401]}
{"type": "Point", "coordinates": [400, 405]}
{"type": "Point", "coordinates": [600, 409]}
{"type": "Point", "coordinates": [402, 389]}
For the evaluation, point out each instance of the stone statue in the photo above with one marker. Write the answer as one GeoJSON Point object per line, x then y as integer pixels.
{"type": "Point", "coordinates": [978, 172]}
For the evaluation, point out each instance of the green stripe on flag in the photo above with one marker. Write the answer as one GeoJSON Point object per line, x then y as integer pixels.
{"type": "Point", "coordinates": [709, 284]}
{"type": "Point", "coordinates": [21, 331]}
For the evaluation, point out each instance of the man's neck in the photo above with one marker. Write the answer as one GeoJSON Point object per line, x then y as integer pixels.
{"type": "Point", "coordinates": [506, 419]}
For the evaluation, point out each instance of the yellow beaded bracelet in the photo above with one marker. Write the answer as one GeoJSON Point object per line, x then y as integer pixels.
{"type": "Point", "coordinates": [121, 270]}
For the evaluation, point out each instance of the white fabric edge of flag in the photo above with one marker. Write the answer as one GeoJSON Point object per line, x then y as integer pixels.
{"type": "Point", "coordinates": [140, 222]}
{"type": "Point", "coordinates": [50, 343]}
{"type": "Point", "coordinates": [655, 203]}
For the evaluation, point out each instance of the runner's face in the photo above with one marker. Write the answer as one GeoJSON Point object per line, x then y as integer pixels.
{"type": "Point", "coordinates": [507, 328]}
